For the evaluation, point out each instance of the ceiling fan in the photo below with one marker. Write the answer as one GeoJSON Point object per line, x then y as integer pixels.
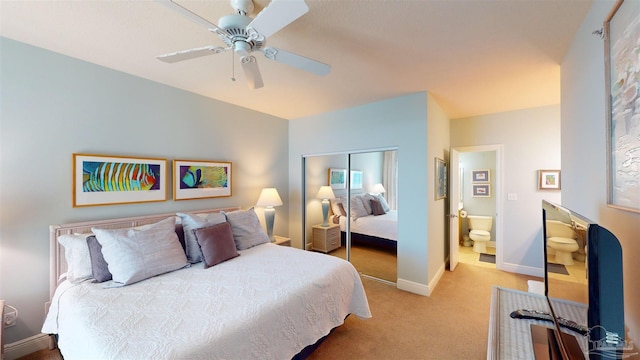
{"type": "Point", "coordinates": [244, 35]}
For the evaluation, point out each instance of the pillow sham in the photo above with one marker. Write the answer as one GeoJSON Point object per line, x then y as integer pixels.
{"type": "Point", "coordinates": [99, 267]}
{"type": "Point", "coordinates": [76, 252]}
{"type": "Point", "coordinates": [192, 222]}
{"type": "Point", "coordinates": [335, 203]}
{"type": "Point", "coordinates": [139, 253]}
{"type": "Point", "coordinates": [377, 208]}
{"type": "Point", "coordinates": [246, 229]}
{"type": "Point", "coordinates": [357, 208]}
{"type": "Point", "coordinates": [366, 202]}
{"type": "Point", "coordinates": [342, 212]}
{"type": "Point", "coordinates": [216, 243]}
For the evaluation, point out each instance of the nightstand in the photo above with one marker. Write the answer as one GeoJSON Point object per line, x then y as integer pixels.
{"type": "Point", "coordinates": [280, 240]}
{"type": "Point", "coordinates": [326, 238]}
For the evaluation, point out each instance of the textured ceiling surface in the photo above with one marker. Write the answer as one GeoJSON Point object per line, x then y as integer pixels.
{"type": "Point", "coordinates": [474, 56]}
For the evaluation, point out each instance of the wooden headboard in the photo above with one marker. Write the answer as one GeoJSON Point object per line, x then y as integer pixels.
{"type": "Point", "coordinates": [57, 261]}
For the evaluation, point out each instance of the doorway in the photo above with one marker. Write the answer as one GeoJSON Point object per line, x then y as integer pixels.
{"type": "Point", "coordinates": [476, 191]}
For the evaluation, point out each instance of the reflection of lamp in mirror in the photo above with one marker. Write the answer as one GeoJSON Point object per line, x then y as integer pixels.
{"type": "Point", "coordinates": [268, 199]}
{"type": "Point", "coordinates": [325, 194]}
{"type": "Point", "coordinates": [377, 189]}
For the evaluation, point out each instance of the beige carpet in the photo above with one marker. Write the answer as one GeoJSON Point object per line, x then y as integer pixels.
{"type": "Point", "coordinates": [450, 324]}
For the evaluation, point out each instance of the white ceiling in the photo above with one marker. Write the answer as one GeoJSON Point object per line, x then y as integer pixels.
{"type": "Point", "coordinates": [474, 56]}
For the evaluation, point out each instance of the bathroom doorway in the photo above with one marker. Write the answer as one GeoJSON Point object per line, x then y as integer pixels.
{"type": "Point", "coordinates": [476, 190]}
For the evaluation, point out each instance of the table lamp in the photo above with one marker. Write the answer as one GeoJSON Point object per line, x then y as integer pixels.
{"type": "Point", "coordinates": [268, 199]}
{"type": "Point", "coordinates": [378, 189]}
{"type": "Point", "coordinates": [325, 194]}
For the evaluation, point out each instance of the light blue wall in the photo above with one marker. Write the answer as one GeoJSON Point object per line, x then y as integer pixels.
{"type": "Point", "coordinates": [399, 122]}
{"type": "Point", "coordinates": [53, 106]}
{"type": "Point", "coordinates": [584, 156]}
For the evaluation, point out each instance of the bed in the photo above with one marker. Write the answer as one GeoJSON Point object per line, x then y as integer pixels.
{"type": "Point", "coordinates": [372, 222]}
{"type": "Point", "coordinates": [268, 301]}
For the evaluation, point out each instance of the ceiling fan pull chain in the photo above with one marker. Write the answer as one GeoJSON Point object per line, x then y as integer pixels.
{"type": "Point", "coordinates": [233, 67]}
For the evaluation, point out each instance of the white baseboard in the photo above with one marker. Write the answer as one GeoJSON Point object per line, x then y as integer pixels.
{"type": "Point", "coordinates": [26, 346]}
{"type": "Point", "coordinates": [421, 289]}
{"type": "Point", "coordinates": [524, 270]}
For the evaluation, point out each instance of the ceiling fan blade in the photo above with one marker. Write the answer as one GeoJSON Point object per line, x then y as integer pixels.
{"type": "Point", "coordinates": [251, 72]}
{"type": "Point", "coordinates": [278, 14]}
{"type": "Point", "coordinates": [298, 61]}
{"type": "Point", "coordinates": [190, 54]}
{"type": "Point", "coordinates": [194, 17]}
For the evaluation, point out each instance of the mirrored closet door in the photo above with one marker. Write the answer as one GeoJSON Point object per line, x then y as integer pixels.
{"type": "Point", "coordinates": [360, 187]}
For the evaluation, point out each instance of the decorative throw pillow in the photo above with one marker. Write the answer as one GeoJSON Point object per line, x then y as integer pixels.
{"type": "Point", "coordinates": [377, 207]}
{"type": "Point", "coordinates": [216, 243]}
{"type": "Point", "coordinates": [384, 203]}
{"type": "Point", "coordinates": [342, 212]}
{"type": "Point", "coordinates": [246, 229]}
{"type": "Point", "coordinates": [139, 253]}
{"type": "Point", "coordinates": [76, 253]}
{"type": "Point", "coordinates": [99, 267]}
{"type": "Point", "coordinates": [192, 222]}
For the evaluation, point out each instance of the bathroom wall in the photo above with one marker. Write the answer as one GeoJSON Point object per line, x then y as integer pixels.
{"type": "Point", "coordinates": [473, 205]}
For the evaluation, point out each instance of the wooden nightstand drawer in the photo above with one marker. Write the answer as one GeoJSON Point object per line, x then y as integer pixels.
{"type": "Point", "coordinates": [327, 238]}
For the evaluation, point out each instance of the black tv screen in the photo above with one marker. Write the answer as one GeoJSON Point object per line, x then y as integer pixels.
{"type": "Point", "coordinates": [583, 263]}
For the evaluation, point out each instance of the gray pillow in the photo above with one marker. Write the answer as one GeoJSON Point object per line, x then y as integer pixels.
{"type": "Point", "coordinates": [383, 201]}
{"type": "Point", "coordinates": [216, 243]}
{"type": "Point", "coordinates": [99, 267]}
{"type": "Point", "coordinates": [377, 208]}
{"type": "Point", "coordinates": [246, 229]}
{"type": "Point", "coordinates": [193, 222]}
{"type": "Point", "coordinates": [139, 253]}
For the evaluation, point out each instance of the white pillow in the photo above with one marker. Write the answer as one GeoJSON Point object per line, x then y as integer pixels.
{"type": "Point", "coordinates": [139, 253]}
{"type": "Point", "coordinates": [193, 222]}
{"type": "Point", "coordinates": [76, 251]}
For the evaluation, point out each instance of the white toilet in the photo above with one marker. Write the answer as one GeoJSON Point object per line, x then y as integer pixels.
{"type": "Point", "coordinates": [562, 239]}
{"type": "Point", "coordinates": [480, 231]}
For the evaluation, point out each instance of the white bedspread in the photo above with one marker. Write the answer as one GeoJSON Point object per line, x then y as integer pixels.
{"type": "Point", "coordinates": [383, 226]}
{"type": "Point", "coordinates": [268, 303]}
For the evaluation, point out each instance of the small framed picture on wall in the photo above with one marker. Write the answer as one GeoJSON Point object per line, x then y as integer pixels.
{"type": "Point", "coordinates": [481, 190]}
{"type": "Point", "coordinates": [480, 176]}
{"type": "Point", "coordinates": [548, 179]}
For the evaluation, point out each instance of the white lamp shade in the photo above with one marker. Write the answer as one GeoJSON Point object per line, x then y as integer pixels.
{"type": "Point", "coordinates": [269, 197]}
{"type": "Point", "coordinates": [325, 193]}
{"type": "Point", "coordinates": [378, 189]}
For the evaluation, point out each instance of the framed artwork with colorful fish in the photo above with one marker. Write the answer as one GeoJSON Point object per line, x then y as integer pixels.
{"type": "Point", "coordinates": [110, 180]}
{"type": "Point", "coordinates": [194, 179]}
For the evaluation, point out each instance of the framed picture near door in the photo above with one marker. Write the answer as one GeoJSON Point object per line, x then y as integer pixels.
{"type": "Point", "coordinates": [441, 179]}
{"type": "Point", "coordinates": [548, 179]}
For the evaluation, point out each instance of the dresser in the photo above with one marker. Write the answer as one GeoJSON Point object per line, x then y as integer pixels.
{"type": "Point", "coordinates": [326, 238]}
{"type": "Point", "coordinates": [511, 338]}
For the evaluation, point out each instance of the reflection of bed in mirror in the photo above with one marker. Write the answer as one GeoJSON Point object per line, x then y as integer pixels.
{"type": "Point", "coordinates": [372, 223]}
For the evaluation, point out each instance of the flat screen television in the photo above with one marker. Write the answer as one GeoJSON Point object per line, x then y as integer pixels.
{"type": "Point", "coordinates": [594, 272]}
